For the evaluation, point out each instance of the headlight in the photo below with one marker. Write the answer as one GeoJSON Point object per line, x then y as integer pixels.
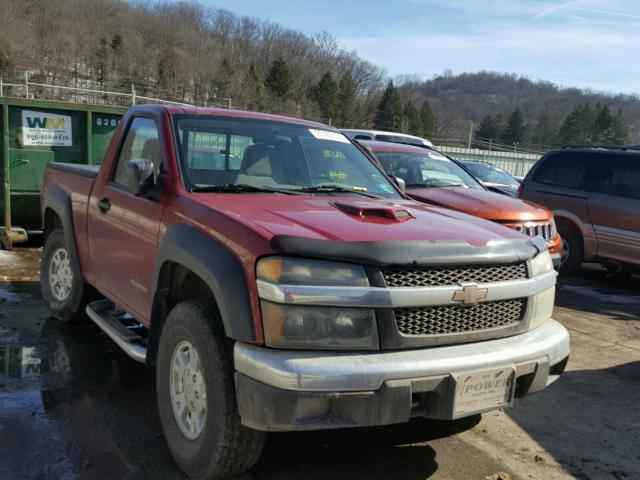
{"type": "Point", "coordinates": [292, 326]}
{"type": "Point", "coordinates": [541, 264]}
{"type": "Point", "coordinates": [541, 307]}
{"type": "Point", "coordinates": [306, 326]}
{"type": "Point", "coordinates": [297, 271]}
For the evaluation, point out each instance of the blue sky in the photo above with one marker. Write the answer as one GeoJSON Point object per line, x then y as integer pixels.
{"type": "Point", "coordinates": [584, 43]}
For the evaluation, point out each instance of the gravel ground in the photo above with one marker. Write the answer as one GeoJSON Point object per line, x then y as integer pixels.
{"type": "Point", "coordinates": [73, 406]}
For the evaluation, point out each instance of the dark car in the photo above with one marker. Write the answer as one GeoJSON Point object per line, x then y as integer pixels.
{"type": "Point", "coordinates": [494, 178]}
{"type": "Point", "coordinates": [594, 194]}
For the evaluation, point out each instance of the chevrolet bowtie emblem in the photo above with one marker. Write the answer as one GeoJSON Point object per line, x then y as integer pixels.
{"type": "Point", "coordinates": [470, 294]}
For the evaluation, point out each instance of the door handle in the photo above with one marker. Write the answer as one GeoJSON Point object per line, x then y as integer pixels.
{"type": "Point", "coordinates": [104, 204]}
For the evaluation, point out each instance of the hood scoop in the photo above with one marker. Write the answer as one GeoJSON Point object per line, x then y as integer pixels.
{"type": "Point", "coordinates": [367, 212]}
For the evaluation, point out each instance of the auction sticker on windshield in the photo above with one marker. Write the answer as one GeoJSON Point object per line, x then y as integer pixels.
{"type": "Point", "coordinates": [328, 135]}
{"type": "Point", "coordinates": [476, 392]}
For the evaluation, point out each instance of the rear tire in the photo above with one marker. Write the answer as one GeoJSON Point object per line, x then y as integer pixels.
{"type": "Point", "coordinates": [573, 252]}
{"type": "Point", "coordinates": [63, 288]}
{"type": "Point", "coordinates": [196, 396]}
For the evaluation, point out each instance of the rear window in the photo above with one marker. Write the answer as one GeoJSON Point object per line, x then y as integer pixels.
{"type": "Point", "coordinates": [621, 176]}
{"type": "Point", "coordinates": [428, 169]}
{"type": "Point", "coordinates": [566, 169]}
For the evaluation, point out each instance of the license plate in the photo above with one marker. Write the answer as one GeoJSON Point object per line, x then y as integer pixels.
{"type": "Point", "coordinates": [477, 392]}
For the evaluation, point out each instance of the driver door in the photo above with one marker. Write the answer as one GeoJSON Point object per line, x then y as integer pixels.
{"type": "Point", "coordinates": [123, 227]}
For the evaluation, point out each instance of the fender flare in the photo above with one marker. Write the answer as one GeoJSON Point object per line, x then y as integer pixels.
{"type": "Point", "coordinates": [59, 201]}
{"type": "Point", "coordinates": [218, 268]}
{"type": "Point", "coordinates": [589, 239]}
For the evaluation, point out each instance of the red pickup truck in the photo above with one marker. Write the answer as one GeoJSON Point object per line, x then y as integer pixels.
{"type": "Point", "coordinates": [279, 280]}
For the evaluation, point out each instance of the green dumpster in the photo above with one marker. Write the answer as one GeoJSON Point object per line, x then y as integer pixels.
{"type": "Point", "coordinates": [34, 133]}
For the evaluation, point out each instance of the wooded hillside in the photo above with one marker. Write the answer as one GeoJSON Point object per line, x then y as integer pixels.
{"type": "Point", "coordinates": [194, 54]}
{"type": "Point", "coordinates": [460, 100]}
{"type": "Point", "coordinates": [180, 51]}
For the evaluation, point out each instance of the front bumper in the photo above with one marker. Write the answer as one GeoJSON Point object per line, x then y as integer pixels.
{"type": "Point", "coordinates": [283, 390]}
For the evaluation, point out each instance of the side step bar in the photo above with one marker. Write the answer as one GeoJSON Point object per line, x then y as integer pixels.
{"type": "Point", "coordinates": [101, 313]}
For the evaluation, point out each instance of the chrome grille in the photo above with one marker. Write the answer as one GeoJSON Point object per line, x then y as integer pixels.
{"type": "Point", "coordinates": [546, 230]}
{"type": "Point", "coordinates": [437, 276]}
{"type": "Point", "coordinates": [458, 319]}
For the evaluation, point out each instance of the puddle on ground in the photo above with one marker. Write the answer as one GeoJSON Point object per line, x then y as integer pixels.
{"type": "Point", "coordinates": [20, 265]}
{"type": "Point", "coordinates": [72, 405]}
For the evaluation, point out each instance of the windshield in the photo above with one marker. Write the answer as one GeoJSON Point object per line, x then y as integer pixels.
{"type": "Point", "coordinates": [242, 155]}
{"type": "Point", "coordinates": [491, 174]}
{"type": "Point", "coordinates": [428, 169]}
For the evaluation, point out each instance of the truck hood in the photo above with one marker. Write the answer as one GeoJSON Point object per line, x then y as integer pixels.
{"type": "Point", "coordinates": [345, 218]}
{"type": "Point", "coordinates": [483, 204]}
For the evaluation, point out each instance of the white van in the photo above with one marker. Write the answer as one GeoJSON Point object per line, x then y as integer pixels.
{"type": "Point", "coordinates": [383, 136]}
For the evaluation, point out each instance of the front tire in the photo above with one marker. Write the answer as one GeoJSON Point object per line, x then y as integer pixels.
{"type": "Point", "coordinates": [196, 396]}
{"type": "Point", "coordinates": [572, 250]}
{"type": "Point", "coordinates": [63, 287]}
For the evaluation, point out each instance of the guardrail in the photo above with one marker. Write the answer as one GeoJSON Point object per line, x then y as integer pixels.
{"type": "Point", "coordinates": [517, 164]}
{"type": "Point", "coordinates": [133, 95]}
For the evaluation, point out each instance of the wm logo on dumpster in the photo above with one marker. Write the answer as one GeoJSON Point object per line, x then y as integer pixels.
{"type": "Point", "coordinates": [45, 122]}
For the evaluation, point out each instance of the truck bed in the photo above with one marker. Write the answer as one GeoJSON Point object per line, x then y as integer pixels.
{"type": "Point", "coordinates": [76, 181]}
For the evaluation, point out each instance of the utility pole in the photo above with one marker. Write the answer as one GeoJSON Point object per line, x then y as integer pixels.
{"type": "Point", "coordinates": [470, 134]}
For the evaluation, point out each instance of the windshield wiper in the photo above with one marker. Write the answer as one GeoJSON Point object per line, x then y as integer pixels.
{"type": "Point", "coordinates": [241, 188]}
{"type": "Point", "coordinates": [334, 189]}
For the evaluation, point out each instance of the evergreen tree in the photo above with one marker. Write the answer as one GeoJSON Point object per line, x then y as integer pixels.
{"type": "Point", "coordinates": [325, 94]}
{"type": "Point", "coordinates": [255, 86]}
{"type": "Point", "coordinates": [411, 123]}
{"type": "Point", "coordinates": [545, 131]}
{"type": "Point", "coordinates": [513, 133]}
{"type": "Point", "coordinates": [389, 112]}
{"type": "Point", "coordinates": [119, 68]}
{"type": "Point", "coordinates": [619, 130]}
{"type": "Point", "coordinates": [116, 44]}
{"type": "Point", "coordinates": [578, 127]}
{"type": "Point", "coordinates": [428, 120]}
{"type": "Point", "coordinates": [489, 129]}
{"type": "Point", "coordinates": [102, 62]}
{"type": "Point", "coordinates": [610, 130]}
{"type": "Point", "coordinates": [603, 121]}
{"type": "Point", "coordinates": [279, 80]}
{"type": "Point", "coordinates": [347, 101]}
{"type": "Point", "coordinates": [224, 78]}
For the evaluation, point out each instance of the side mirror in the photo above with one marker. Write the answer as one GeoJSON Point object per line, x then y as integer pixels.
{"type": "Point", "coordinates": [140, 175]}
{"type": "Point", "coordinates": [402, 185]}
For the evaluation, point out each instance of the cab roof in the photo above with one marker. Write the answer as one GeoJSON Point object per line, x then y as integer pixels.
{"type": "Point", "coordinates": [225, 112]}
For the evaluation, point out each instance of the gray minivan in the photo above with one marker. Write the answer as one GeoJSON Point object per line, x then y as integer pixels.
{"type": "Point", "coordinates": [594, 194]}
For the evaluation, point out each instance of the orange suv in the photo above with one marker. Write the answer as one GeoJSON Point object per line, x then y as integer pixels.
{"type": "Point", "coordinates": [434, 178]}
